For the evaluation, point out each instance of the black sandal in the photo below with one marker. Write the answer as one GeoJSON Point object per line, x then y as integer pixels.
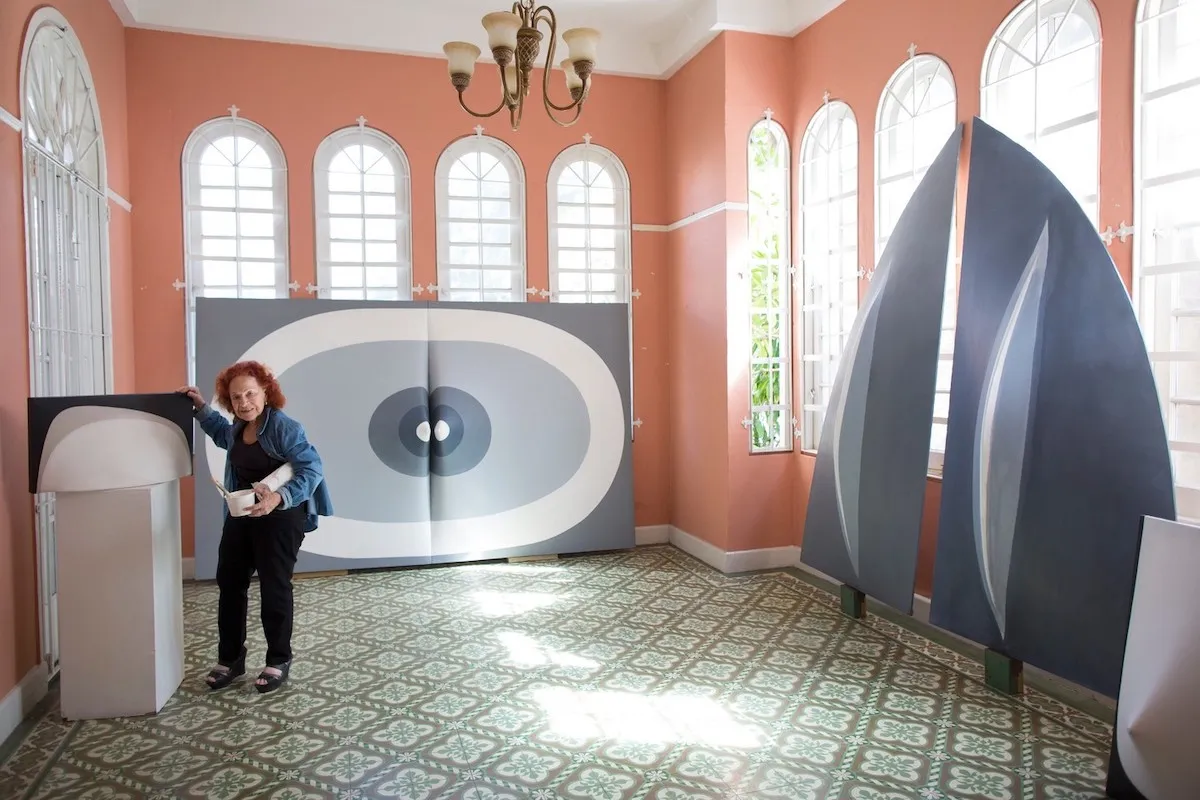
{"type": "Point", "coordinates": [273, 682]}
{"type": "Point", "coordinates": [222, 678]}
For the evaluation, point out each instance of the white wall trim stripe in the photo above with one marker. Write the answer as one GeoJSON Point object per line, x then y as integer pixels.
{"type": "Point", "coordinates": [689, 219]}
{"type": "Point", "coordinates": [8, 119]}
{"type": "Point", "coordinates": [121, 201]}
{"type": "Point", "coordinates": [17, 705]}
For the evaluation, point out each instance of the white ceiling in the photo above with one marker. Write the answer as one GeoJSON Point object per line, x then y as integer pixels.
{"type": "Point", "coordinates": [646, 38]}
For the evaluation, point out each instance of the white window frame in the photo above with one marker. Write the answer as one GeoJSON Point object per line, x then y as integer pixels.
{"type": "Point", "coordinates": [1159, 311]}
{"type": "Point", "coordinates": [822, 148]}
{"type": "Point", "coordinates": [604, 160]}
{"type": "Point", "coordinates": [193, 150]}
{"type": "Point", "coordinates": [783, 362]}
{"type": "Point", "coordinates": [607, 161]}
{"type": "Point", "coordinates": [333, 145]}
{"type": "Point", "coordinates": [917, 68]}
{"type": "Point", "coordinates": [1003, 62]}
{"type": "Point", "coordinates": [68, 251]}
{"type": "Point", "coordinates": [508, 157]}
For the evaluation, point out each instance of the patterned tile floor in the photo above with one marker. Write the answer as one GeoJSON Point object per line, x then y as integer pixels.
{"type": "Point", "coordinates": [632, 675]}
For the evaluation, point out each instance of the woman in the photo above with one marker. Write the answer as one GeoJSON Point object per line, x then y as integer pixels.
{"type": "Point", "coordinates": [269, 453]}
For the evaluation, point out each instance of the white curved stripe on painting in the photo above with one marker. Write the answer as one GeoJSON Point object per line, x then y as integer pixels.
{"type": "Point", "coordinates": [999, 460]}
{"type": "Point", "coordinates": [546, 517]}
{"type": "Point", "coordinates": [846, 473]}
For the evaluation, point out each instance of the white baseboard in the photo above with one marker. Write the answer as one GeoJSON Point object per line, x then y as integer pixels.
{"type": "Point", "coordinates": [21, 700]}
{"type": "Point", "coordinates": [652, 534]}
{"type": "Point", "coordinates": [736, 560]}
{"type": "Point", "coordinates": [189, 569]}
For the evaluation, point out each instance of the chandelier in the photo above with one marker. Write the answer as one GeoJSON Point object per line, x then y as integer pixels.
{"type": "Point", "coordinates": [514, 40]}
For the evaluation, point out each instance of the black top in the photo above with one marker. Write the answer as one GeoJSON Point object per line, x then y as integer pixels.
{"type": "Point", "coordinates": [250, 463]}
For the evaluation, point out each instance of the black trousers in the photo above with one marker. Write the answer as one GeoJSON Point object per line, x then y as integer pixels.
{"type": "Point", "coordinates": [269, 545]}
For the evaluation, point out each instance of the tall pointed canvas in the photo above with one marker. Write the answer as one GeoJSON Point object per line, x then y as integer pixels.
{"type": "Point", "coordinates": [864, 511]}
{"type": "Point", "coordinates": [1055, 446]}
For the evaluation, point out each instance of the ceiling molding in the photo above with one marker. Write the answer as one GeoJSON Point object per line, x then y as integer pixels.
{"type": "Point", "coordinates": [126, 10]}
{"type": "Point", "coordinates": [645, 38]}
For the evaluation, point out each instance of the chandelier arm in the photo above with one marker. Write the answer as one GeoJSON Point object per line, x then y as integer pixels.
{"type": "Point", "coordinates": [547, 13]}
{"type": "Point", "coordinates": [463, 104]}
{"type": "Point", "coordinates": [559, 122]}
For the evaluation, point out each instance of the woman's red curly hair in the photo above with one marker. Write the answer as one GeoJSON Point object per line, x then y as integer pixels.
{"type": "Point", "coordinates": [260, 372]}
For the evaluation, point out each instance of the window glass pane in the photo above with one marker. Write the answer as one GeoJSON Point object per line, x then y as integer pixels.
{"type": "Point", "coordinates": [917, 112]}
{"type": "Point", "coordinates": [1167, 229]}
{"type": "Point", "coordinates": [482, 232]}
{"type": "Point", "coordinates": [1042, 89]}
{"type": "Point", "coordinates": [234, 185]}
{"type": "Point", "coordinates": [770, 289]}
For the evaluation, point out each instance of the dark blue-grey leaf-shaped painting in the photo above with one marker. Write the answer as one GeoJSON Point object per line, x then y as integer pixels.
{"type": "Point", "coordinates": [1055, 445]}
{"type": "Point", "coordinates": [863, 525]}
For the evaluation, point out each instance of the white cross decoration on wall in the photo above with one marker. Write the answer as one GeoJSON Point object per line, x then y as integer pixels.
{"type": "Point", "coordinates": [825, 96]}
{"type": "Point", "coordinates": [362, 122]}
{"type": "Point", "coordinates": [233, 111]}
{"type": "Point", "coordinates": [587, 138]}
{"type": "Point", "coordinates": [912, 51]}
{"type": "Point", "coordinates": [768, 115]}
{"type": "Point", "coordinates": [479, 130]}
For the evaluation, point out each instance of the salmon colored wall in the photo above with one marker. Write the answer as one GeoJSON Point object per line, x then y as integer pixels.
{"type": "Point", "coordinates": [103, 40]}
{"type": "Point", "coordinates": [853, 51]}
{"type": "Point", "coordinates": [695, 174]}
{"type": "Point", "coordinates": [301, 94]}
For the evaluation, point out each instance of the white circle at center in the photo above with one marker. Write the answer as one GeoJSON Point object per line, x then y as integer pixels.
{"type": "Point", "coordinates": [423, 431]}
{"type": "Point", "coordinates": [441, 430]}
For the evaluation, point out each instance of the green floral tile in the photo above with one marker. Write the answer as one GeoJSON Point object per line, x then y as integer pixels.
{"type": "Point", "coordinates": [630, 675]}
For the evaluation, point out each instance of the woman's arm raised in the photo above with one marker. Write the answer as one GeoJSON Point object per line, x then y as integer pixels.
{"type": "Point", "coordinates": [212, 422]}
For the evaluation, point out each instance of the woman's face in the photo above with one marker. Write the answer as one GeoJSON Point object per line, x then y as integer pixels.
{"type": "Point", "coordinates": [247, 397]}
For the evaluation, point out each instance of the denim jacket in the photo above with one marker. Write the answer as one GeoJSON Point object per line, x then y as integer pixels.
{"type": "Point", "coordinates": [283, 439]}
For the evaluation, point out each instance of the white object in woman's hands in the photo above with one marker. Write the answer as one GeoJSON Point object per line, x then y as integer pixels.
{"type": "Point", "coordinates": [266, 505]}
{"type": "Point", "coordinates": [193, 394]}
{"type": "Point", "coordinates": [241, 503]}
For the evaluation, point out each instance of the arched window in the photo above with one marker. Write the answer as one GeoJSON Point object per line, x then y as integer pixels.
{"type": "Point", "coordinates": [589, 227]}
{"type": "Point", "coordinates": [1041, 87]}
{"type": "Point", "coordinates": [235, 215]}
{"type": "Point", "coordinates": [917, 112]}
{"type": "Point", "coordinates": [829, 253]}
{"type": "Point", "coordinates": [481, 221]}
{"type": "Point", "coordinates": [769, 242]}
{"type": "Point", "coordinates": [1166, 253]}
{"type": "Point", "coordinates": [363, 201]}
{"type": "Point", "coordinates": [66, 245]}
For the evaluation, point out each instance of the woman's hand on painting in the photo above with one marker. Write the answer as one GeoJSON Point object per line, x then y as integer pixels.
{"type": "Point", "coordinates": [268, 501]}
{"type": "Point", "coordinates": [193, 394]}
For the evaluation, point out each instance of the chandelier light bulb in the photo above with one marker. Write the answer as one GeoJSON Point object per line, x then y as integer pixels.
{"type": "Point", "coordinates": [573, 79]}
